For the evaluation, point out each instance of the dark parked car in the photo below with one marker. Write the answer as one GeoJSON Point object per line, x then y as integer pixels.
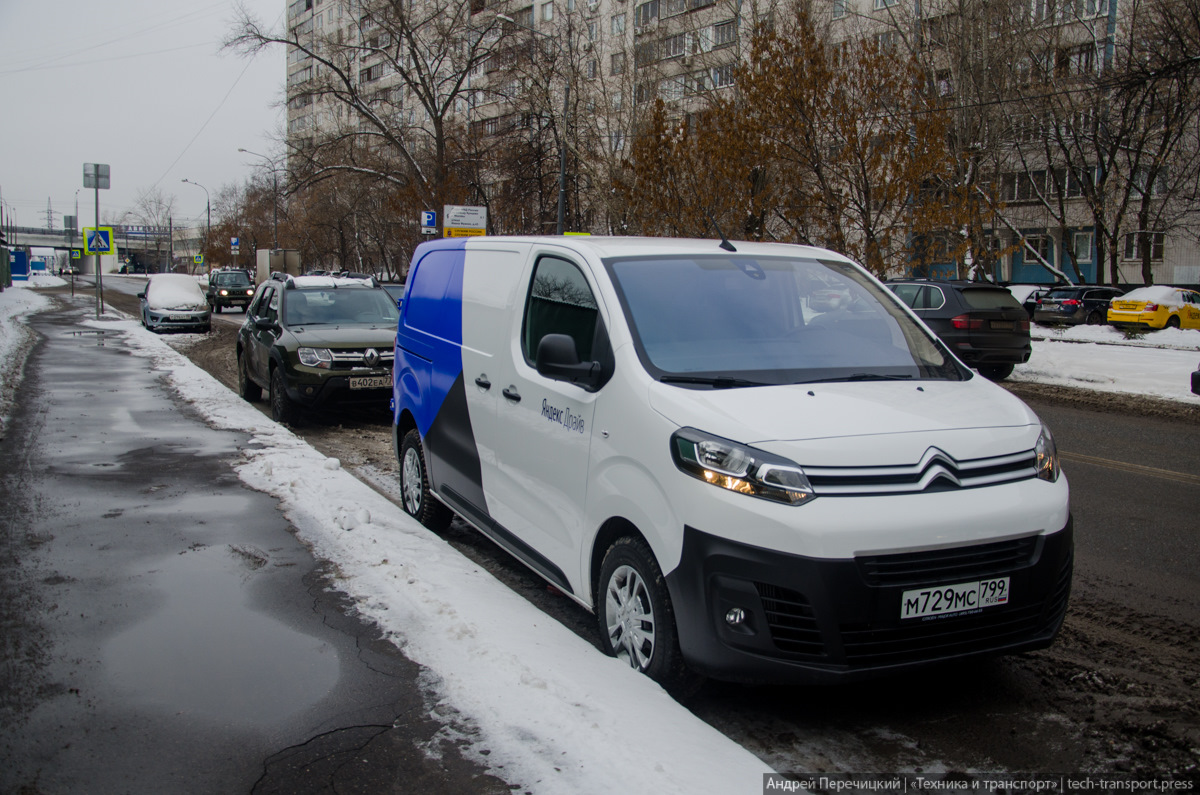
{"type": "Point", "coordinates": [1075, 305]}
{"type": "Point", "coordinates": [983, 324]}
{"type": "Point", "coordinates": [313, 340]}
{"type": "Point", "coordinates": [1196, 381]}
{"type": "Point", "coordinates": [229, 287]}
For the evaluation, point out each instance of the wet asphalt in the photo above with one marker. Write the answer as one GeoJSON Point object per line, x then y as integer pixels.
{"type": "Point", "coordinates": [161, 628]}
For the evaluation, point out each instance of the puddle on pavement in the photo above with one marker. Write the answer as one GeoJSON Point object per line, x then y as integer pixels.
{"type": "Point", "coordinates": [207, 653]}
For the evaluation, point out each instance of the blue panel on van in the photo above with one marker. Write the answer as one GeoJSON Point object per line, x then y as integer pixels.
{"type": "Point", "coordinates": [433, 305]}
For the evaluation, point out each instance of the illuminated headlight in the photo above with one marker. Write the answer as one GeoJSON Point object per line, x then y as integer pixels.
{"type": "Point", "coordinates": [224, 292]}
{"type": "Point", "coordinates": [249, 292]}
{"type": "Point", "coordinates": [316, 357]}
{"type": "Point", "coordinates": [1047, 456]}
{"type": "Point", "coordinates": [739, 468]}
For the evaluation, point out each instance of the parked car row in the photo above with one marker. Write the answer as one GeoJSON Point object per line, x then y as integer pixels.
{"type": "Point", "coordinates": [1142, 309]}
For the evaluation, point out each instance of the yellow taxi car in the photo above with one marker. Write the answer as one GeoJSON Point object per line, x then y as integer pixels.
{"type": "Point", "coordinates": [1155, 307]}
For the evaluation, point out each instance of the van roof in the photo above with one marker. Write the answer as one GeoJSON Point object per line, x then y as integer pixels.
{"type": "Point", "coordinates": [605, 247]}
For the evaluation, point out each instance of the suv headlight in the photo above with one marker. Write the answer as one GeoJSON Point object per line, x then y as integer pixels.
{"type": "Point", "coordinates": [740, 468]}
{"type": "Point", "coordinates": [316, 357]}
{"type": "Point", "coordinates": [1047, 456]}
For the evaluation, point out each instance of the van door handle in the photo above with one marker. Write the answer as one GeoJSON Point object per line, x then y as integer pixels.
{"type": "Point", "coordinates": [483, 383]}
{"type": "Point", "coordinates": [512, 394]}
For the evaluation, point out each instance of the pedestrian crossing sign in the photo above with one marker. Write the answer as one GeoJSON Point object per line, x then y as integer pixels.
{"type": "Point", "coordinates": [98, 240]}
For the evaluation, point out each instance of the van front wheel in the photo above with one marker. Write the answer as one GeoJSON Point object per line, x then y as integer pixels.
{"type": "Point", "coordinates": [414, 486]}
{"type": "Point", "coordinates": [637, 622]}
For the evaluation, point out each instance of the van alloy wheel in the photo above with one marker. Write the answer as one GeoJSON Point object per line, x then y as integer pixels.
{"type": "Point", "coordinates": [630, 617]}
{"type": "Point", "coordinates": [417, 500]}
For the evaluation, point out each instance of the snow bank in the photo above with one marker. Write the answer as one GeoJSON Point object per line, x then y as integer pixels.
{"type": "Point", "coordinates": [1109, 367]}
{"type": "Point", "coordinates": [554, 714]}
{"type": "Point", "coordinates": [16, 303]}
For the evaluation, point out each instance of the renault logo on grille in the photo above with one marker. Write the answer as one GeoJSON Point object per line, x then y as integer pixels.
{"type": "Point", "coordinates": [371, 357]}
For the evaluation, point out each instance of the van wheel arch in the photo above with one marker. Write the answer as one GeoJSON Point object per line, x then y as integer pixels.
{"type": "Point", "coordinates": [610, 531]}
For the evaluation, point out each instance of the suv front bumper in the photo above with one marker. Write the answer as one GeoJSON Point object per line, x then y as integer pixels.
{"type": "Point", "coordinates": [810, 620]}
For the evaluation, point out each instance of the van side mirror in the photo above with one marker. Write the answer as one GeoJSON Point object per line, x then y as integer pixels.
{"type": "Point", "coordinates": [557, 358]}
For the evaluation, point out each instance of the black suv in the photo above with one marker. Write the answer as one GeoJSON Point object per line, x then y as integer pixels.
{"type": "Point", "coordinates": [1075, 305]}
{"type": "Point", "coordinates": [312, 340]}
{"type": "Point", "coordinates": [229, 287]}
{"type": "Point", "coordinates": [982, 323]}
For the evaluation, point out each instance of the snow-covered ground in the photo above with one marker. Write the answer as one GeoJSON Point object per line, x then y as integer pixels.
{"type": "Point", "coordinates": [553, 713]}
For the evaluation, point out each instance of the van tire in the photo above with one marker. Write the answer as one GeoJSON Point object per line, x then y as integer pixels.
{"type": "Point", "coordinates": [416, 498]}
{"type": "Point", "coordinates": [632, 594]}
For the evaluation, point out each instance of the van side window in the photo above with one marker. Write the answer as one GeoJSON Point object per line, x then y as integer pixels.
{"type": "Point", "coordinates": [560, 302]}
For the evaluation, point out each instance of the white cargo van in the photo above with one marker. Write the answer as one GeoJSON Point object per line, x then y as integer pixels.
{"type": "Point", "coordinates": [753, 463]}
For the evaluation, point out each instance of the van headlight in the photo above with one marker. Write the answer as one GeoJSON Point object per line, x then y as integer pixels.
{"type": "Point", "coordinates": [739, 468]}
{"type": "Point", "coordinates": [1047, 456]}
{"type": "Point", "coordinates": [316, 357]}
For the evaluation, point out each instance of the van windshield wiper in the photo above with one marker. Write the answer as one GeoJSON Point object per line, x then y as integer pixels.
{"type": "Point", "coordinates": [858, 377]}
{"type": "Point", "coordinates": [717, 382]}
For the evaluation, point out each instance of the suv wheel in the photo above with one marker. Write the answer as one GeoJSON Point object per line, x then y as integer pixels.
{"type": "Point", "coordinates": [414, 486]}
{"type": "Point", "coordinates": [637, 622]}
{"type": "Point", "coordinates": [282, 408]}
{"type": "Point", "coordinates": [995, 372]}
{"type": "Point", "coordinates": [249, 390]}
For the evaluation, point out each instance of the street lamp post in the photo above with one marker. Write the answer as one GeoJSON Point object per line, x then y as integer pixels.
{"type": "Point", "coordinates": [207, 210]}
{"type": "Point", "coordinates": [562, 145]}
{"type": "Point", "coordinates": [274, 195]}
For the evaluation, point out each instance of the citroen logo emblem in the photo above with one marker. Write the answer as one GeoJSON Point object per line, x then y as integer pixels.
{"type": "Point", "coordinates": [371, 357]}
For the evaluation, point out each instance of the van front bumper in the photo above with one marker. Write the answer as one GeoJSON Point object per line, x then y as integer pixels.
{"type": "Point", "coordinates": [811, 620]}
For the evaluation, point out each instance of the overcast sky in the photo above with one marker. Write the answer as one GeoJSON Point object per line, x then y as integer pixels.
{"type": "Point", "coordinates": [142, 85]}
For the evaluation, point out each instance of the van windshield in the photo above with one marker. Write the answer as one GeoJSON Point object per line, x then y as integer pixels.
{"type": "Point", "coordinates": [730, 320]}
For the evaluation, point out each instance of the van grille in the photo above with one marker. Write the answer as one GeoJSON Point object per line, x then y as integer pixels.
{"type": "Point", "coordinates": [948, 565]}
{"type": "Point", "coordinates": [935, 471]}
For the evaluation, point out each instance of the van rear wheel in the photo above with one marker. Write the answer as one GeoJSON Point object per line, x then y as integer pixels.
{"type": "Point", "coordinates": [418, 501]}
{"type": "Point", "coordinates": [637, 622]}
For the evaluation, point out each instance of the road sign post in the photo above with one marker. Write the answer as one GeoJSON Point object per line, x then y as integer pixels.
{"type": "Point", "coordinates": [96, 177]}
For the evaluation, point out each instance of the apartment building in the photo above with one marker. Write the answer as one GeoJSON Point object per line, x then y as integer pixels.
{"type": "Point", "coordinates": [1028, 78]}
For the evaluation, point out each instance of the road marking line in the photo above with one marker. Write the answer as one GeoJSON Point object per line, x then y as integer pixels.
{"type": "Point", "coordinates": [1166, 474]}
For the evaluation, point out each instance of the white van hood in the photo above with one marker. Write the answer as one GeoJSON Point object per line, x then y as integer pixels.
{"type": "Point", "coordinates": [852, 423]}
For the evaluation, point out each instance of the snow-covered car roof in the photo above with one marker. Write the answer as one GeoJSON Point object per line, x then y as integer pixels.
{"type": "Point", "coordinates": [329, 281]}
{"type": "Point", "coordinates": [174, 291]}
{"type": "Point", "coordinates": [1157, 294]}
{"type": "Point", "coordinates": [1023, 291]}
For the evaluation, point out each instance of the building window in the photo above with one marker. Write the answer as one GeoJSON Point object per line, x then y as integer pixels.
{"type": "Point", "coordinates": [645, 13]}
{"type": "Point", "coordinates": [1082, 246]}
{"type": "Point", "coordinates": [547, 12]}
{"type": "Point", "coordinates": [1133, 245]}
{"type": "Point", "coordinates": [618, 24]}
{"type": "Point", "coordinates": [617, 63]}
{"type": "Point", "coordinates": [570, 6]}
{"type": "Point", "coordinates": [672, 7]}
{"type": "Point", "coordinates": [593, 69]}
{"type": "Point", "coordinates": [617, 100]}
{"type": "Point", "coordinates": [839, 9]}
{"type": "Point", "coordinates": [591, 31]}
{"type": "Point", "coordinates": [888, 40]}
{"type": "Point", "coordinates": [673, 46]}
{"type": "Point", "coordinates": [1043, 245]}
{"type": "Point", "coordinates": [617, 140]}
{"type": "Point", "coordinates": [724, 33]}
{"type": "Point", "coordinates": [722, 75]}
{"type": "Point", "coordinates": [885, 4]}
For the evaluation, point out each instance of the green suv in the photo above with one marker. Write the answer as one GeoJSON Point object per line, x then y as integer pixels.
{"type": "Point", "coordinates": [229, 287]}
{"type": "Point", "coordinates": [315, 340]}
